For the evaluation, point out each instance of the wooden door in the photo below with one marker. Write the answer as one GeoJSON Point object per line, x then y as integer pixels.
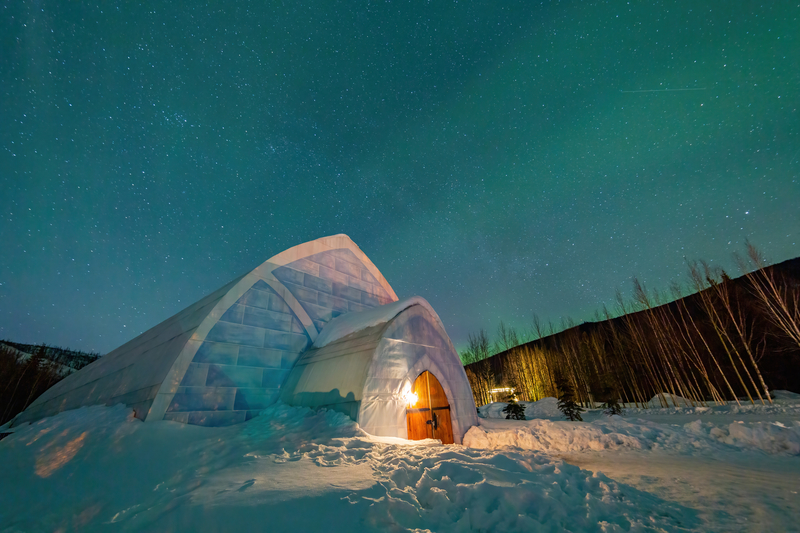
{"type": "Point", "coordinates": [429, 417]}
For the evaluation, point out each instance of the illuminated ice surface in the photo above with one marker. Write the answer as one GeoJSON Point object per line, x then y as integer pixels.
{"type": "Point", "coordinates": [294, 469]}
{"type": "Point", "coordinates": [316, 326]}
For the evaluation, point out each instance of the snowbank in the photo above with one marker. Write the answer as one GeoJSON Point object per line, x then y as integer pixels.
{"type": "Point", "coordinates": [544, 408]}
{"type": "Point", "coordinates": [769, 437]}
{"type": "Point", "coordinates": [618, 433]}
{"type": "Point", "coordinates": [786, 403]}
{"type": "Point", "coordinates": [669, 400]}
{"type": "Point", "coordinates": [785, 395]}
{"type": "Point", "coordinates": [544, 435]}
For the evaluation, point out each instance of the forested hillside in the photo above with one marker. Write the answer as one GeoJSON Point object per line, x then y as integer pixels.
{"type": "Point", "coordinates": [729, 339]}
{"type": "Point", "coordinates": [27, 370]}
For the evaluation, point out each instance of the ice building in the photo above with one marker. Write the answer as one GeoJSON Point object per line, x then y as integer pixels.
{"type": "Point", "coordinates": [316, 325]}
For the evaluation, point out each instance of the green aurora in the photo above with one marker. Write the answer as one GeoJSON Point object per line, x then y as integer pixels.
{"type": "Point", "coordinates": [498, 159]}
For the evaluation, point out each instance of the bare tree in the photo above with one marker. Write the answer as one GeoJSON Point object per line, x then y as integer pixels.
{"type": "Point", "coordinates": [481, 369]}
{"type": "Point", "coordinates": [701, 282]}
{"type": "Point", "coordinates": [780, 299]}
{"type": "Point", "coordinates": [506, 338]}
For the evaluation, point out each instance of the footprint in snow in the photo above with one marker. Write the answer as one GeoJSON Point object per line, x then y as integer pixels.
{"type": "Point", "coordinates": [247, 484]}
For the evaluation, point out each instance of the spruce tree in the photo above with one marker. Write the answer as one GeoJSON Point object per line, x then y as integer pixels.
{"type": "Point", "coordinates": [612, 407]}
{"type": "Point", "coordinates": [514, 411]}
{"type": "Point", "coordinates": [610, 398]}
{"type": "Point", "coordinates": [566, 401]}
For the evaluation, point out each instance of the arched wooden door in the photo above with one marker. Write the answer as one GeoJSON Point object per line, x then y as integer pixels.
{"type": "Point", "coordinates": [429, 417]}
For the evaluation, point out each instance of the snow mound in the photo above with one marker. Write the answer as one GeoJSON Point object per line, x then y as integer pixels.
{"type": "Point", "coordinates": [544, 408]}
{"type": "Point", "coordinates": [669, 400]}
{"type": "Point", "coordinates": [784, 395]}
{"type": "Point", "coordinates": [548, 436]}
{"type": "Point", "coordinates": [780, 408]}
{"type": "Point", "coordinates": [290, 427]}
{"type": "Point", "coordinates": [768, 437]}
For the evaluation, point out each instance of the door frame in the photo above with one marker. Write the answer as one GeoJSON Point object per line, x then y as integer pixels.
{"type": "Point", "coordinates": [427, 363]}
{"type": "Point", "coordinates": [432, 419]}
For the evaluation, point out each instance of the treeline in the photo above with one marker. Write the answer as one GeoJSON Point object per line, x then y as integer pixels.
{"type": "Point", "coordinates": [27, 370]}
{"type": "Point", "coordinates": [74, 359]}
{"type": "Point", "coordinates": [730, 340]}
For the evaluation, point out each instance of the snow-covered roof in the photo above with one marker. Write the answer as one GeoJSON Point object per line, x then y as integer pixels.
{"type": "Point", "coordinates": [350, 323]}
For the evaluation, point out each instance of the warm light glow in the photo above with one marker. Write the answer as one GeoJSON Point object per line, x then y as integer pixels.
{"type": "Point", "coordinates": [503, 389]}
{"type": "Point", "coordinates": [54, 456]}
{"type": "Point", "coordinates": [409, 395]}
{"type": "Point", "coordinates": [411, 398]}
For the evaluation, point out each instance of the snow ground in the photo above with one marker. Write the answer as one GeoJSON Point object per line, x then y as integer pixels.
{"type": "Point", "coordinates": [293, 469]}
{"type": "Point", "coordinates": [738, 466]}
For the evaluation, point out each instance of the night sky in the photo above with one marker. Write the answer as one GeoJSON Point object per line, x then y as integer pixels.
{"type": "Point", "coordinates": [496, 158]}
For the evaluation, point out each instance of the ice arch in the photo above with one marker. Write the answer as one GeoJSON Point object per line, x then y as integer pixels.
{"type": "Point", "coordinates": [364, 363]}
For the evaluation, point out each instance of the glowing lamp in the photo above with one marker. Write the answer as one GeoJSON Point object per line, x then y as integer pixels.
{"type": "Point", "coordinates": [411, 398]}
